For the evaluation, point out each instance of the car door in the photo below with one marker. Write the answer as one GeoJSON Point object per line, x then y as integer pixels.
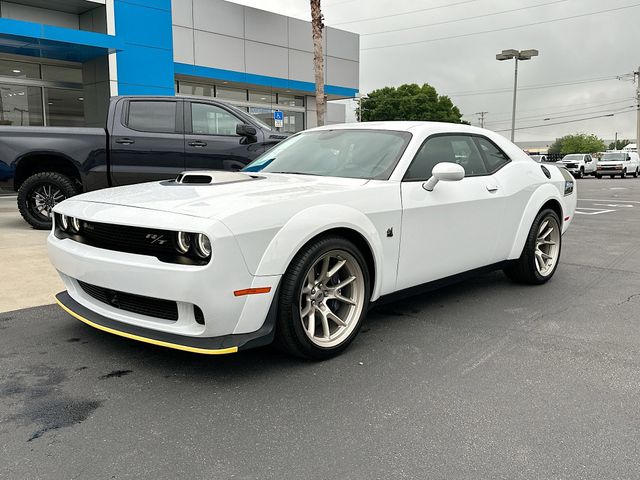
{"type": "Point", "coordinates": [211, 142]}
{"type": "Point", "coordinates": [455, 227]}
{"type": "Point", "coordinates": [147, 141]}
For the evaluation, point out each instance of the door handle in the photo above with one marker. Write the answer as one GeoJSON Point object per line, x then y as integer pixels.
{"type": "Point", "coordinates": [125, 141]}
{"type": "Point", "coordinates": [198, 143]}
{"type": "Point", "coordinates": [492, 188]}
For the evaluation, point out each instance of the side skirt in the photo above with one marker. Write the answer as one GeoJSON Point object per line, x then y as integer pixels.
{"type": "Point", "coordinates": [436, 284]}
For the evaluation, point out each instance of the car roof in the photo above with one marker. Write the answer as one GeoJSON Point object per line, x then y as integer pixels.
{"type": "Point", "coordinates": [407, 126]}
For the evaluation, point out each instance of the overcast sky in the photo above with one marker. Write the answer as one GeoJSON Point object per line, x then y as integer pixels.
{"type": "Point", "coordinates": [583, 49]}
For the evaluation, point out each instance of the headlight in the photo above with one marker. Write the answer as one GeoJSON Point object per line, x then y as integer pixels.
{"type": "Point", "coordinates": [183, 242]}
{"type": "Point", "coordinates": [64, 222]}
{"type": "Point", "coordinates": [75, 225]}
{"type": "Point", "coordinates": [203, 245]}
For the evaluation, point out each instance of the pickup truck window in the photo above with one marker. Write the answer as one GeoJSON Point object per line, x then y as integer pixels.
{"type": "Point", "coordinates": [152, 116]}
{"type": "Point", "coordinates": [211, 120]}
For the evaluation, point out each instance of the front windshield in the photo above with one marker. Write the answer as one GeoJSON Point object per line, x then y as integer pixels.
{"type": "Point", "coordinates": [572, 157]}
{"type": "Point", "coordinates": [617, 156]}
{"type": "Point", "coordinates": [347, 153]}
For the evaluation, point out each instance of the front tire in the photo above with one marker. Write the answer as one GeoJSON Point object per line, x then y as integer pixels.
{"type": "Point", "coordinates": [581, 173]}
{"type": "Point", "coordinates": [324, 297]}
{"type": "Point", "coordinates": [598, 176]}
{"type": "Point", "coordinates": [624, 173]}
{"type": "Point", "coordinates": [541, 252]}
{"type": "Point", "coordinates": [39, 193]}
{"type": "Point", "coordinates": [635, 174]}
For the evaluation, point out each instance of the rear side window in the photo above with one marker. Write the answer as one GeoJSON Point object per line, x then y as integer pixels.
{"type": "Point", "coordinates": [152, 116]}
{"type": "Point", "coordinates": [493, 156]}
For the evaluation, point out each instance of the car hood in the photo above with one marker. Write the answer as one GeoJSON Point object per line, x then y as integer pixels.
{"type": "Point", "coordinates": [219, 199]}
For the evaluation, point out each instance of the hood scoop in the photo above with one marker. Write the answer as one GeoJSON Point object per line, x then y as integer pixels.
{"type": "Point", "coordinates": [212, 177]}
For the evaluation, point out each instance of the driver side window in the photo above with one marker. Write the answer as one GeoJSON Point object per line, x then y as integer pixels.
{"type": "Point", "coordinates": [460, 149]}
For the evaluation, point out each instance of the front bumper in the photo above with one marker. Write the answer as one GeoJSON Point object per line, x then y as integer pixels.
{"type": "Point", "coordinates": [609, 171]}
{"type": "Point", "coordinates": [220, 313]}
{"type": "Point", "coordinates": [206, 346]}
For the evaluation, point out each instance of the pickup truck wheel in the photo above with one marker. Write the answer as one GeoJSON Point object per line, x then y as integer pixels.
{"type": "Point", "coordinates": [581, 173]}
{"type": "Point", "coordinates": [598, 176]}
{"type": "Point", "coordinates": [635, 174]}
{"type": "Point", "coordinates": [40, 193]}
{"type": "Point", "coordinates": [541, 252]}
{"type": "Point", "coordinates": [323, 299]}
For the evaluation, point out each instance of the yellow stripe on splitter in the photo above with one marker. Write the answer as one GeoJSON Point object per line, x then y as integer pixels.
{"type": "Point", "coordinates": [205, 351]}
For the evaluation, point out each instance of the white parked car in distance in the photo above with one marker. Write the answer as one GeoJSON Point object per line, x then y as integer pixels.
{"type": "Point", "coordinates": [579, 164]}
{"type": "Point", "coordinates": [618, 163]}
{"type": "Point", "coordinates": [299, 244]}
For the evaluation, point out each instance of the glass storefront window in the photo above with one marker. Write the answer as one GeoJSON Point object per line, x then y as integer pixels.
{"type": "Point", "coordinates": [198, 89]}
{"type": "Point", "coordinates": [56, 73]}
{"type": "Point", "coordinates": [293, 121]}
{"type": "Point", "coordinates": [261, 97]}
{"type": "Point", "coordinates": [20, 105]}
{"type": "Point", "coordinates": [290, 100]}
{"type": "Point", "coordinates": [65, 107]}
{"type": "Point", "coordinates": [229, 93]}
{"type": "Point", "coordinates": [11, 68]}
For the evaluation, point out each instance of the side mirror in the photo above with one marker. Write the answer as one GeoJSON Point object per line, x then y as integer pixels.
{"type": "Point", "coordinates": [446, 172]}
{"type": "Point", "coordinates": [628, 157]}
{"type": "Point", "coordinates": [245, 130]}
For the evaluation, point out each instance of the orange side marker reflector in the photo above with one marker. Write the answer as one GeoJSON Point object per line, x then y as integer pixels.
{"type": "Point", "coordinates": [252, 291]}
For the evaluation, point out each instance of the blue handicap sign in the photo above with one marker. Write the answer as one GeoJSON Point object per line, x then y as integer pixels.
{"type": "Point", "coordinates": [278, 115]}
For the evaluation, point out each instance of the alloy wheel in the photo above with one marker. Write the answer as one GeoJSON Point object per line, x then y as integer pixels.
{"type": "Point", "coordinates": [43, 198]}
{"type": "Point", "coordinates": [547, 246]}
{"type": "Point", "coordinates": [332, 298]}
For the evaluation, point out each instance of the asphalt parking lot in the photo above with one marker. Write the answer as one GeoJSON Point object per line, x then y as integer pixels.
{"type": "Point", "coordinates": [484, 379]}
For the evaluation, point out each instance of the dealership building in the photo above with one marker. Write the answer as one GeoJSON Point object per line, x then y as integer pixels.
{"type": "Point", "coordinates": [60, 60]}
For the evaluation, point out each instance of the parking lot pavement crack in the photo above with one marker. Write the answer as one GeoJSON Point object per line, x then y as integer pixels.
{"type": "Point", "coordinates": [628, 299]}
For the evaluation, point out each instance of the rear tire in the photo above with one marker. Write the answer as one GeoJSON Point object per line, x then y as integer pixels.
{"type": "Point", "coordinates": [541, 252]}
{"type": "Point", "coordinates": [39, 193]}
{"type": "Point", "coordinates": [318, 318]}
{"type": "Point", "coordinates": [635, 174]}
{"type": "Point", "coordinates": [598, 176]}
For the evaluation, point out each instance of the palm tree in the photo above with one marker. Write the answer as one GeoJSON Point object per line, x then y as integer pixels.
{"type": "Point", "coordinates": [317, 26]}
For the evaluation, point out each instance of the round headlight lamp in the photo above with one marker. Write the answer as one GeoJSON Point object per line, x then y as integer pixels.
{"type": "Point", "coordinates": [64, 222]}
{"type": "Point", "coordinates": [203, 245]}
{"type": "Point", "coordinates": [183, 242]}
{"type": "Point", "coordinates": [75, 225]}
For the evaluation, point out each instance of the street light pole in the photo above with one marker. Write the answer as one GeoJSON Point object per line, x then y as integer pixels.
{"type": "Point", "coordinates": [515, 90]}
{"type": "Point", "coordinates": [517, 56]}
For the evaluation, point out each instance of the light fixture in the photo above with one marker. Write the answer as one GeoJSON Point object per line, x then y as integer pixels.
{"type": "Point", "coordinates": [49, 103]}
{"type": "Point", "coordinates": [81, 98]}
{"type": "Point", "coordinates": [203, 245]}
{"type": "Point", "coordinates": [183, 242]}
{"type": "Point", "coordinates": [16, 71]}
{"type": "Point", "coordinates": [75, 225]}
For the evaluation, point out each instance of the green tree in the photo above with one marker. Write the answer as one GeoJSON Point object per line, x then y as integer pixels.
{"type": "Point", "coordinates": [409, 102]}
{"type": "Point", "coordinates": [578, 143]}
{"type": "Point", "coordinates": [619, 145]}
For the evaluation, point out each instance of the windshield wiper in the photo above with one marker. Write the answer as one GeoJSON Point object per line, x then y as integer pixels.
{"type": "Point", "coordinates": [296, 173]}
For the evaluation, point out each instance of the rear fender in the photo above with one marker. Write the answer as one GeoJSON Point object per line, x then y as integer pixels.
{"type": "Point", "coordinates": [542, 195]}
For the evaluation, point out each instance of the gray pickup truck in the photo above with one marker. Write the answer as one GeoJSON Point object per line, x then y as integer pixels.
{"type": "Point", "coordinates": [144, 139]}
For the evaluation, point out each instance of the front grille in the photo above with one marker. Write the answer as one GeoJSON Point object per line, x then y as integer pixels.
{"type": "Point", "coordinates": [571, 165]}
{"type": "Point", "coordinates": [139, 240]}
{"type": "Point", "coordinates": [151, 307]}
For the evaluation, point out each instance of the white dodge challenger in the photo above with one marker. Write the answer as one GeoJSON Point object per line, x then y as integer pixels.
{"type": "Point", "coordinates": [297, 246]}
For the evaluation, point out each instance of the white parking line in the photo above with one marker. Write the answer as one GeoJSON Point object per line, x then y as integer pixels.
{"type": "Point", "coordinates": [607, 200]}
{"type": "Point", "coordinates": [620, 205]}
{"type": "Point", "coordinates": [597, 211]}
